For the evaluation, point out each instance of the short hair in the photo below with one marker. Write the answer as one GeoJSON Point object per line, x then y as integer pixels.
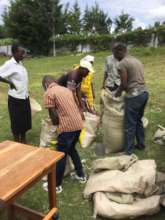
{"type": "Point", "coordinates": [15, 47]}
{"type": "Point", "coordinates": [47, 78]}
{"type": "Point", "coordinates": [119, 46]}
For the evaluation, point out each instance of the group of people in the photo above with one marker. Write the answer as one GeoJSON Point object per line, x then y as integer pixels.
{"type": "Point", "coordinates": [67, 97]}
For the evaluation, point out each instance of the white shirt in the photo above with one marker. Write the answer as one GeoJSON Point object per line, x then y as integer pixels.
{"type": "Point", "coordinates": [111, 68]}
{"type": "Point", "coordinates": [16, 73]}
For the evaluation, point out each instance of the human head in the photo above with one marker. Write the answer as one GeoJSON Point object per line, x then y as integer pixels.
{"type": "Point", "coordinates": [119, 50]}
{"type": "Point", "coordinates": [85, 67]}
{"type": "Point", "coordinates": [89, 58]}
{"type": "Point", "coordinates": [83, 71]}
{"type": "Point", "coordinates": [18, 52]}
{"type": "Point", "coordinates": [47, 80]}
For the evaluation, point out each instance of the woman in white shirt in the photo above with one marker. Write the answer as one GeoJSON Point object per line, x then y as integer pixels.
{"type": "Point", "coordinates": [15, 74]}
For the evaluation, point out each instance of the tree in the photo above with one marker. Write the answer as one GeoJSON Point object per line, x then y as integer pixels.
{"type": "Point", "coordinates": [123, 23]}
{"type": "Point", "coordinates": [157, 24]}
{"type": "Point", "coordinates": [96, 20]}
{"type": "Point", "coordinates": [33, 23]}
{"type": "Point", "coordinates": [3, 33]}
{"type": "Point", "coordinates": [138, 28]}
{"type": "Point", "coordinates": [74, 20]}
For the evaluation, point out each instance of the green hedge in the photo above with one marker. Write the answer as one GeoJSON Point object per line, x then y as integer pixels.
{"type": "Point", "coordinates": [7, 41]}
{"type": "Point", "coordinates": [143, 37]}
{"type": "Point", "coordinates": [97, 42]}
{"type": "Point", "coordinates": [103, 42]}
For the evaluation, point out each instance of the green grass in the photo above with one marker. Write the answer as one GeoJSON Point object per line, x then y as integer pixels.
{"type": "Point", "coordinates": [71, 203]}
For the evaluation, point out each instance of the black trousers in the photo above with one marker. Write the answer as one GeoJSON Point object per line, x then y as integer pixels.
{"type": "Point", "coordinates": [66, 143]}
{"type": "Point", "coordinates": [20, 115]}
{"type": "Point", "coordinates": [133, 125]}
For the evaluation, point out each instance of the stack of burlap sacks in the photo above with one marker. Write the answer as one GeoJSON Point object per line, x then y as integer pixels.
{"type": "Point", "coordinates": [124, 187]}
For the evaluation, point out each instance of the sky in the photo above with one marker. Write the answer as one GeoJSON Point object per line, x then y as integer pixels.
{"type": "Point", "coordinates": [145, 12]}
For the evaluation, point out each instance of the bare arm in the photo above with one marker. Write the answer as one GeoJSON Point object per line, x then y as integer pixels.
{"type": "Point", "coordinates": [54, 116]}
{"type": "Point", "coordinates": [79, 96]}
{"type": "Point", "coordinates": [93, 91]}
{"type": "Point", "coordinates": [124, 82]}
{"type": "Point", "coordinates": [106, 70]}
{"type": "Point", "coordinates": [104, 79]}
{"type": "Point", "coordinates": [11, 84]}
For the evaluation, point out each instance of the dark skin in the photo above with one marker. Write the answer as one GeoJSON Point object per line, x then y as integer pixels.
{"type": "Point", "coordinates": [52, 112]}
{"type": "Point", "coordinates": [124, 82]}
{"type": "Point", "coordinates": [18, 56]}
{"type": "Point", "coordinates": [85, 107]}
{"type": "Point", "coordinates": [11, 84]}
{"type": "Point", "coordinates": [82, 73]}
{"type": "Point", "coordinates": [104, 79]}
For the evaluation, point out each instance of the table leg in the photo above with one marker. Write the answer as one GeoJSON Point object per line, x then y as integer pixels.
{"type": "Point", "coordinates": [10, 212]}
{"type": "Point", "coordinates": [52, 188]}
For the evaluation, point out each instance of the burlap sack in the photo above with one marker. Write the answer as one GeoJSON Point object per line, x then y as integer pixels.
{"type": "Point", "coordinates": [121, 198]}
{"type": "Point", "coordinates": [88, 133]}
{"type": "Point", "coordinates": [114, 163]}
{"type": "Point", "coordinates": [145, 122]}
{"type": "Point", "coordinates": [139, 178]}
{"type": "Point", "coordinates": [35, 106]}
{"type": "Point", "coordinates": [162, 200]}
{"type": "Point", "coordinates": [108, 99]}
{"type": "Point", "coordinates": [109, 209]}
{"type": "Point", "coordinates": [48, 132]}
{"type": "Point", "coordinates": [159, 136]}
{"type": "Point", "coordinates": [69, 166]}
{"type": "Point", "coordinates": [112, 122]}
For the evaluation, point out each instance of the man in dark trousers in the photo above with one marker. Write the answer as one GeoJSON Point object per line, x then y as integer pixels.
{"type": "Point", "coordinates": [64, 111]}
{"type": "Point", "coordinates": [131, 73]}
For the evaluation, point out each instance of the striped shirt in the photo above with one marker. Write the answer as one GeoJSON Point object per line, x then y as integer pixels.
{"type": "Point", "coordinates": [62, 100]}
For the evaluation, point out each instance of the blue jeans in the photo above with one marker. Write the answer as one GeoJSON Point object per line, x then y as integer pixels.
{"type": "Point", "coordinates": [133, 126]}
{"type": "Point", "coordinates": [66, 143]}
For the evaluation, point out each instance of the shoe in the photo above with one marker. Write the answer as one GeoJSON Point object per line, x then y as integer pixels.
{"type": "Point", "coordinates": [59, 189]}
{"type": "Point", "coordinates": [45, 186]}
{"type": "Point", "coordinates": [140, 147]}
{"type": "Point", "coordinates": [81, 179]}
{"type": "Point", "coordinates": [120, 153]}
{"type": "Point", "coordinates": [44, 179]}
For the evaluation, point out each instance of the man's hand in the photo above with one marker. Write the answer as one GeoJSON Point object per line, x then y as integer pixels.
{"type": "Point", "coordinates": [12, 85]}
{"type": "Point", "coordinates": [118, 93]}
{"type": "Point", "coordinates": [82, 113]}
{"type": "Point", "coordinates": [93, 111]}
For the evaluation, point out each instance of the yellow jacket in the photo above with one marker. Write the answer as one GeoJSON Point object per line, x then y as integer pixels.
{"type": "Point", "coordinates": [86, 87]}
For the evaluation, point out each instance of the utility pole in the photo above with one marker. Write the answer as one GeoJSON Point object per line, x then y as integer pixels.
{"type": "Point", "coordinates": [53, 28]}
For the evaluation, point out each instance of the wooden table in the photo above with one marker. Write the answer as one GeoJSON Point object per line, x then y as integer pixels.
{"type": "Point", "coordinates": [21, 166]}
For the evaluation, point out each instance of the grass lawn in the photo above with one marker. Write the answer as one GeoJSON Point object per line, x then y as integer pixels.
{"type": "Point", "coordinates": [71, 204]}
